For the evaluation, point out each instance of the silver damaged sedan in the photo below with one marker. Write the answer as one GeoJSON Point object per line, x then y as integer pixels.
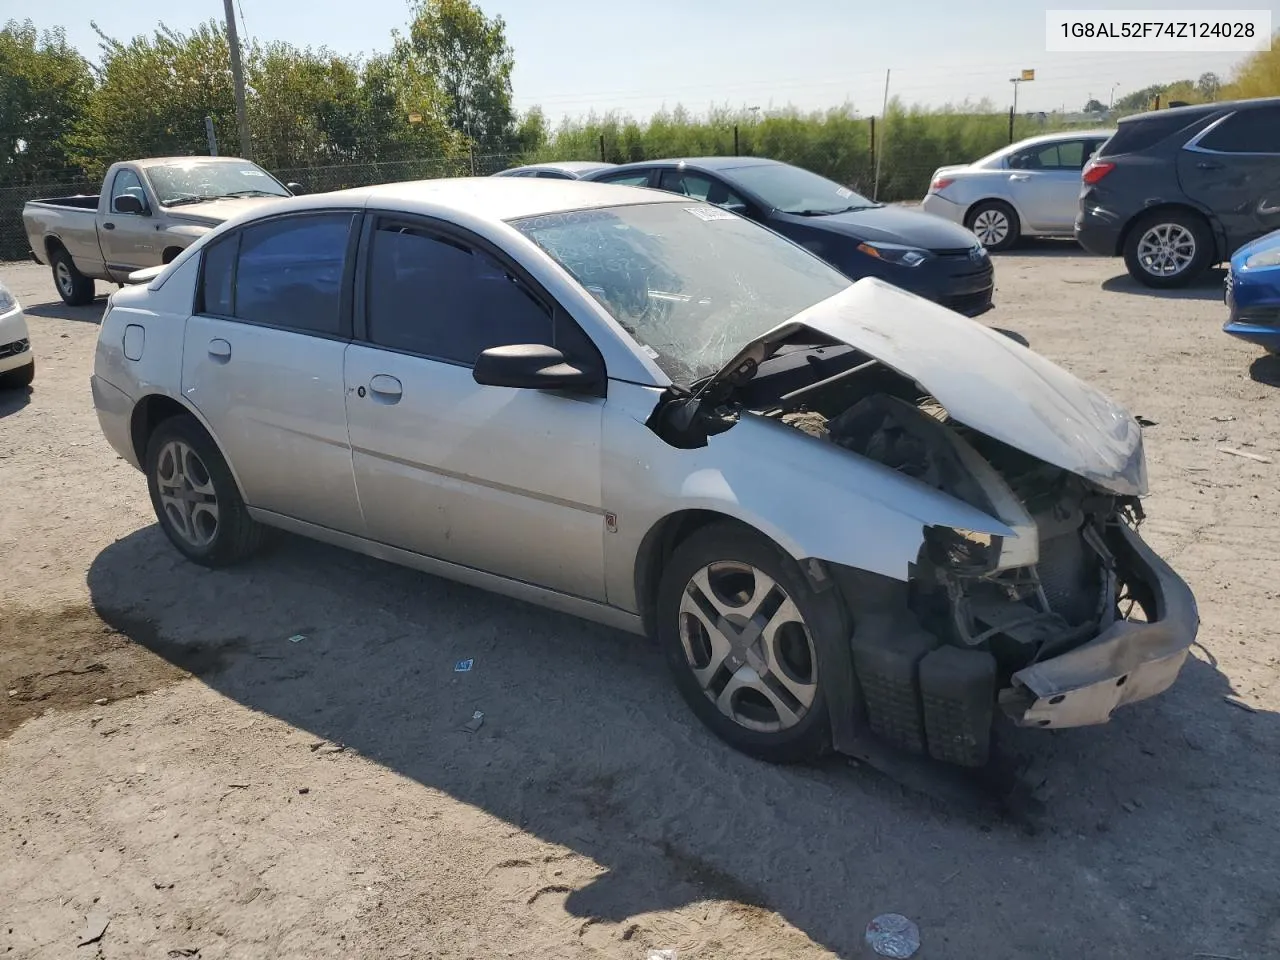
{"type": "Point", "coordinates": [851, 518]}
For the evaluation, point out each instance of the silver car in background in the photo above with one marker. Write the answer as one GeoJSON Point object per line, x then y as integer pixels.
{"type": "Point", "coordinates": [556, 170]}
{"type": "Point", "coordinates": [1028, 189]}
{"type": "Point", "coordinates": [851, 517]}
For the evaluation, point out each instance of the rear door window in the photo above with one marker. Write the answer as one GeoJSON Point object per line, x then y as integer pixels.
{"type": "Point", "coordinates": [1139, 135]}
{"type": "Point", "coordinates": [1249, 131]}
{"type": "Point", "coordinates": [632, 178]}
{"type": "Point", "coordinates": [285, 272]}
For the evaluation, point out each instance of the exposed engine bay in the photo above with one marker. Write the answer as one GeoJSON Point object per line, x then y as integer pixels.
{"type": "Point", "coordinates": [977, 609]}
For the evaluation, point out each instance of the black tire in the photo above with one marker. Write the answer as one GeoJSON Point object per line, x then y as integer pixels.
{"type": "Point", "coordinates": [995, 209]}
{"type": "Point", "coordinates": [822, 614]}
{"type": "Point", "coordinates": [234, 536]}
{"type": "Point", "coordinates": [75, 289]}
{"type": "Point", "coordinates": [1177, 222]}
{"type": "Point", "coordinates": [19, 377]}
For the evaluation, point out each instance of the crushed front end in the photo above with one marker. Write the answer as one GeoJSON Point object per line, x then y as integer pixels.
{"type": "Point", "coordinates": [1054, 627]}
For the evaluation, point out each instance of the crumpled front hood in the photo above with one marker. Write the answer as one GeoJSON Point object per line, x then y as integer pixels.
{"type": "Point", "coordinates": [984, 379]}
{"type": "Point", "coordinates": [214, 212]}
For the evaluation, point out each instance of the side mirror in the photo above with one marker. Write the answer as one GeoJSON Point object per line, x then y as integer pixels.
{"type": "Point", "coordinates": [530, 366]}
{"type": "Point", "coordinates": [296, 189]}
{"type": "Point", "coordinates": [128, 203]}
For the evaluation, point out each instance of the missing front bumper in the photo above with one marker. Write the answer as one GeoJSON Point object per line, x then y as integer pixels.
{"type": "Point", "coordinates": [1128, 662]}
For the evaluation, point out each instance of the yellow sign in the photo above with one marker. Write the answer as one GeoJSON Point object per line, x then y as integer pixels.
{"type": "Point", "coordinates": [1028, 74]}
{"type": "Point", "coordinates": [415, 118]}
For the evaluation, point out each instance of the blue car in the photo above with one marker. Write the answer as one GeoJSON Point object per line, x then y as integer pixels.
{"type": "Point", "coordinates": [1253, 293]}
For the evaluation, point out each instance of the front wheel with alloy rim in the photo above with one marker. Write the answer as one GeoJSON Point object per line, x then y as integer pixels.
{"type": "Point", "coordinates": [744, 636]}
{"type": "Point", "coordinates": [74, 287]}
{"type": "Point", "coordinates": [995, 224]}
{"type": "Point", "coordinates": [1168, 249]}
{"type": "Point", "coordinates": [196, 498]}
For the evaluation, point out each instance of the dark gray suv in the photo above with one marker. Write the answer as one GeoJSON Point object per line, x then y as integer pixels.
{"type": "Point", "coordinates": [1176, 191]}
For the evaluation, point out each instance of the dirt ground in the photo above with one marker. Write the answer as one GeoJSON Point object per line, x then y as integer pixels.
{"type": "Point", "coordinates": [170, 761]}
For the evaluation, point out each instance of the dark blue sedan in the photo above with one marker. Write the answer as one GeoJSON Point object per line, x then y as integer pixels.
{"type": "Point", "coordinates": [1253, 293]}
{"type": "Point", "coordinates": [920, 252]}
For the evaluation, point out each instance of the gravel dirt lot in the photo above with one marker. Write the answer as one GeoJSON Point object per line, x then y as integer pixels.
{"type": "Point", "coordinates": [171, 762]}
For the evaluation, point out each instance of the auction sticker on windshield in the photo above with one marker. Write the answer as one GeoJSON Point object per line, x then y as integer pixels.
{"type": "Point", "coordinates": [710, 213]}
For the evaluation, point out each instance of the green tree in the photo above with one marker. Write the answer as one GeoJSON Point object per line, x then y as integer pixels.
{"type": "Point", "coordinates": [44, 88]}
{"type": "Point", "coordinates": [1208, 85]}
{"type": "Point", "coordinates": [1095, 106]}
{"type": "Point", "coordinates": [153, 95]}
{"type": "Point", "coordinates": [466, 53]}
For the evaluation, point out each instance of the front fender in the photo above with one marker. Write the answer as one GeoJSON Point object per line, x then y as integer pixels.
{"type": "Point", "coordinates": [813, 498]}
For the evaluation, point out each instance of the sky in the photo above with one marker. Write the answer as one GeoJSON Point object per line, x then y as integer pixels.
{"type": "Point", "coordinates": [573, 58]}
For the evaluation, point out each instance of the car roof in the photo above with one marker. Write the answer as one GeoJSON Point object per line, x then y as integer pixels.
{"type": "Point", "coordinates": [572, 166]}
{"type": "Point", "coordinates": [494, 198]}
{"type": "Point", "coordinates": [1194, 110]}
{"type": "Point", "coordinates": [198, 159]}
{"type": "Point", "coordinates": [1062, 135]}
{"type": "Point", "coordinates": [704, 163]}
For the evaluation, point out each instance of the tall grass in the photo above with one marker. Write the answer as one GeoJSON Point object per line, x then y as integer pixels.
{"type": "Point", "coordinates": [836, 143]}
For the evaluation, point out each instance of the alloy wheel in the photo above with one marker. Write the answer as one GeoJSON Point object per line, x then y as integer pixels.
{"type": "Point", "coordinates": [1166, 250]}
{"type": "Point", "coordinates": [187, 494]}
{"type": "Point", "coordinates": [748, 646]}
{"type": "Point", "coordinates": [62, 273]}
{"type": "Point", "coordinates": [991, 226]}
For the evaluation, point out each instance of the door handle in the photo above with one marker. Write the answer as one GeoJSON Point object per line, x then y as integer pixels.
{"type": "Point", "coordinates": [1019, 177]}
{"type": "Point", "coordinates": [220, 350]}
{"type": "Point", "coordinates": [108, 226]}
{"type": "Point", "coordinates": [1209, 165]}
{"type": "Point", "coordinates": [385, 388]}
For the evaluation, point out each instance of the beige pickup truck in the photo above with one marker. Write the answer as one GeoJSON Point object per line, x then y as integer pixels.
{"type": "Point", "coordinates": [148, 211]}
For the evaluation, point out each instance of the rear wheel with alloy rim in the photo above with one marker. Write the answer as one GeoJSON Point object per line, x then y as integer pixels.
{"type": "Point", "coordinates": [995, 224]}
{"type": "Point", "coordinates": [744, 634]}
{"type": "Point", "coordinates": [1168, 249]}
{"type": "Point", "coordinates": [196, 498]}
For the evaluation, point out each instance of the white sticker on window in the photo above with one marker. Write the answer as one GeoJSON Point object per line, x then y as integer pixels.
{"type": "Point", "coordinates": [845, 192]}
{"type": "Point", "coordinates": [710, 213]}
{"type": "Point", "coordinates": [651, 353]}
{"type": "Point", "coordinates": [252, 173]}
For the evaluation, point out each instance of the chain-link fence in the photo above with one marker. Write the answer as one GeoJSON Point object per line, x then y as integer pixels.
{"type": "Point", "coordinates": [889, 160]}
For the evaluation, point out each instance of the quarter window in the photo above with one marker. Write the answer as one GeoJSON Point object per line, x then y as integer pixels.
{"type": "Point", "coordinates": [636, 178]}
{"type": "Point", "coordinates": [286, 272]}
{"type": "Point", "coordinates": [1249, 131]}
{"type": "Point", "coordinates": [432, 295]}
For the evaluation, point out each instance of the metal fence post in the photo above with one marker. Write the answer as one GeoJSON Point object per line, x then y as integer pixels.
{"type": "Point", "coordinates": [735, 140]}
{"type": "Point", "coordinates": [602, 159]}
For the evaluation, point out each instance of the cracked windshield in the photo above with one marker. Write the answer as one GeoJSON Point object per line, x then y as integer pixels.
{"type": "Point", "coordinates": [692, 284]}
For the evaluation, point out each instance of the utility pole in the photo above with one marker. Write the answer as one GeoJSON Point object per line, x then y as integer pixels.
{"type": "Point", "coordinates": [1027, 77]}
{"type": "Point", "coordinates": [237, 77]}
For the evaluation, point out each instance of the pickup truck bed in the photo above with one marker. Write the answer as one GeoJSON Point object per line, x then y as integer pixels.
{"type": "Point", "coordinates": [79, 202]}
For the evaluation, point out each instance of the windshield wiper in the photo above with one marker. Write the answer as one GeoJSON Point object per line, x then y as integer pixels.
{"type": "Point", "coordinates": [185, 200]}
{"type": "Point", "coordinates": [832, 213]}
{"type": "Point", "coordinates": [248, 193]}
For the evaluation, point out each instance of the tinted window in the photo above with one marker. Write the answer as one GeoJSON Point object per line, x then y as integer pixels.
{"type": "Point", "coordinates": [1250, 131]}
{"type": "Point", "coordinates": [289, 272]}
{"type": "Point", "coordinates": [554, 175]}
{"type": "Point", "coordinates": [127, 183]}
{"type": "Point", "coordinates": [701, 188]}
{"type": "Point", "coordinates": [636, 178]}
{"type": "Point", "coordinates": [433, 296]}
{"type": "Point", "coordinates": [215, 283]}
{"type": "Point", "coordinates": [1135, 135]}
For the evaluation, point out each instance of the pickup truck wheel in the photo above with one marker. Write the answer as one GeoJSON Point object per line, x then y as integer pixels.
{"type": "Point", "coordinates": [73, 286]}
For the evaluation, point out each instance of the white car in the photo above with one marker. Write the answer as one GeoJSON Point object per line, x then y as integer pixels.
{"type": "Point", "coordinates": [17, 364]}
{"type": "Point", "coordinates": [849, 515]}
{"type": "Point", "coordinates": [1028, 189]}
